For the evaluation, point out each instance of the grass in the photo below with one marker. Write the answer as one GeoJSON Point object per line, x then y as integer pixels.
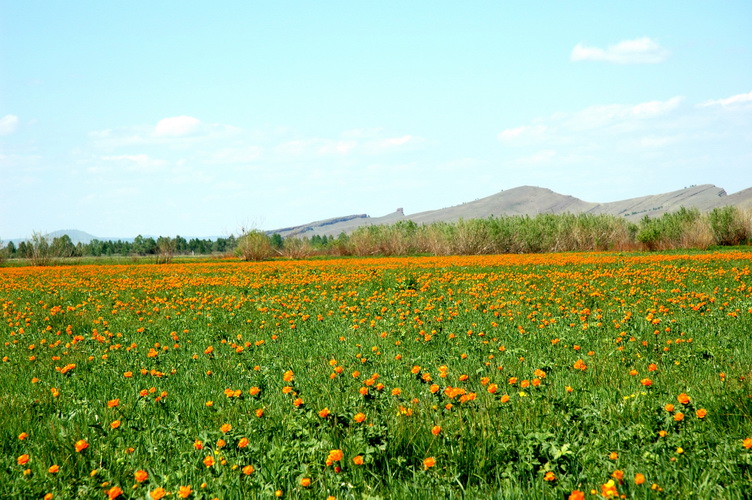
{"type": "Point", "coordinates": [516, 376]}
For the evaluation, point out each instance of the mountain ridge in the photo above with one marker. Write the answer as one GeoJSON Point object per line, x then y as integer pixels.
{"type": "Point", "coordinates": [532, 201]}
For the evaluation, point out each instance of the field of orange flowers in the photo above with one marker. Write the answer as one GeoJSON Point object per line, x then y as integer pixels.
{"type": "Point", "coordinates": [537, 376]}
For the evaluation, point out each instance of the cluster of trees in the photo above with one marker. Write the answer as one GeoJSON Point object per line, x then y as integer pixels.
{"type": "Point", "coordinates": [686, 228]}
{"type": "Point", "coordinates": [41, 249]}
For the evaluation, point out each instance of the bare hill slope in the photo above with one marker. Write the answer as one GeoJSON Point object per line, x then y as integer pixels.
{"type": "Point", "coordinates": [532, 201]}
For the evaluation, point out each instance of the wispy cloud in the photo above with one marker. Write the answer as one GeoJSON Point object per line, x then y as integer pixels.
{"type": "Point", "coordinates": [8, 124]}
{"type": "Point", "coordinates": [177, 126]}
{"type": "Point", "coordinates": [638, 51]}
{"type": "Point", "coordinates": [730, 102]}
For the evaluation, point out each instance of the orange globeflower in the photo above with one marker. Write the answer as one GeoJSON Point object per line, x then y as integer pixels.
{"type": "Point", "coordinates": [577, 495]}
{"type": "Point", "coordinates": [683, 398]}
{"type": "Point", "coordinates": [114, 492]}
{"type": "Point", "coordinates": [428, 463]}
{"type": "Point", "coordinates": [208, 460]}
{"type": "Point", "coordinates": [54, 469]}
{"type": "Point", "coordinates": [358, 460]}
{"type": "Point", "coordinates": [185, 491]}
{"type": "Point", "coordinates": [747, 443]}
{"type": "Point", "coordinates": [679, 416]}
{"type": "Point", "coordinates": [646, 382]}
{"type": "Point", "coordinates": [504, 398]}
{"type": "Point", "coordinates": [305, 482]}
{"type": "Point", "coordinates": [23, 436]}
{"type": "Point", "coordinates": [259, 413]}
{"type": "Point", "coordinates": [435, 430]}
{"type": "Point", "coordinates": [324, 413]}
{"type": "Point", "coordinates": [114, 424]}
{"type": "Point", "coordinates": [359, 417]}
{"type": "Point", "coordinates": [609, 490]}
{"type": "Point", "coordinates": [198, 444]}
{"type": "Point", "coordinates": [141, 476]}
{"type": "Point", "coordinates": [225, 428]}
{"type": "Point", "coordinates": [288, 376]}
{"type": "Point", "coordinates": [112, 403]}
{"type": "Point", "coordinates": [243, 442]}
{"type": "Point", "coordinates": [248, 470]}
{"type": "Point", "coordinates": [23, 459]}
{"type": "Point", "coordinates": [158, 493]}
{"type": "Point", "coordinates": [81, 445]}
{"type": "Point", "coordinates": [639, 478]}
{"type": "Point", "coordinates": [701, 413]}
{"type": "Point", "coordinates": [550, 476]}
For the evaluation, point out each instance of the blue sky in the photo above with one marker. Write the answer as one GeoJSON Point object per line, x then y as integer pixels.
{"type": "Point", "coordinates": [199, 118]}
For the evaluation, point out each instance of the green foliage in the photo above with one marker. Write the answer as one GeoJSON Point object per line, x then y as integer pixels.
{"type": "Point", "coordinates": [254, 246]}
{"type": "Point", "coordinates": [728, 226]}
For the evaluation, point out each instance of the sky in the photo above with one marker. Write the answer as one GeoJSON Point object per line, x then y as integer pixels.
{"type": "Point", "coordinates": [204, 118]}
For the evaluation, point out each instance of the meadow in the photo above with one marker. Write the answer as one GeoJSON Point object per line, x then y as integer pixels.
{"type": "Point", "coordinates": [569, 375]}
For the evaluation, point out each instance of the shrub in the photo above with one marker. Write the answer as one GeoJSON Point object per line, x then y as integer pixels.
{"type": "Point", "coordinates": [254, 246]}
{"type": "Point", "coordinates": [728, 226]}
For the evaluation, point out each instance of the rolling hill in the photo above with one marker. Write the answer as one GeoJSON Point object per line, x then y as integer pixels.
{"type": "Point", "coordinates": [532, 201]}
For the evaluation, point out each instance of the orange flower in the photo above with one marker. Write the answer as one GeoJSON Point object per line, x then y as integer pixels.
{"type": "Point", "coordinates": [225, 428]}
{"type": "Point", "coordinates": [208, 461]}
{"type": "Point", "coordinates": [359, 417]}
{"type": "Point", "coordinates": [683, 398]}
{"type": "Point", "coordinates": [618, 475]}
{"type": "Point", "coordinates": [248, 470]}
{"type": "Point", "coordinates": [198, 444]}
{"type": "Point", "coordinates": [396, 391]}
{"type": "Point", "coordinates": [646, 382]}
{"type": "Point", "coordinates": [609, 490]}
{"type": "Point", "coordinates": [613, 455]}
{"type": "Point", "coordinates": [679, 416]}
{"type": "Point", "coordinates": [253, 391]}
{"type": "Point", "coordinates": [23, 459]}
{"type": "Point", "coordinates": [54, 469]}
{"type": "Point", "coordinates": [358, 460]}
{"type": "Point", "coordinates": [305, 482]}
{"type": "Point", "coordinates": [243, 442]}
{"type": "Point", "coordinates": [435, 430]}
{"type": "Point", "coordinates": [492, 388]}
{"type": "Point", "coordinates": [112, 403]}
{"type": "Point", "coordinates": [81, 445]}
{"type": "Point", "coordinates": [550, 476]}
{"type": "Point", "coordinates": [221, 443]}
{"type": "Point", "coordinates": [652, 367]}
{"type": "Point", "coordinates": [259, 412]}
{"type": "Point", "coordinates": [114, 424]}
{"type": "Point", "coordinates": [577, 495]}
{"type": "Point", "coordinates": [157, 493]}
{"type": "Point", "coordinates": [141, 476]}
{"type": "Point", "coordinates": [428, 463]}
{"type": "Point", "coordinates": [114, 492]}
{"type": "Point", "coordinates": [23, 436]}
{"type": "Point", "coordinates": [701, 413]}
{"type": "Point", "coordinates": [324, 413]}
{"type": "Point", "coordinates": [288, 376]}
{"type": "Point", "coordinates": [747, 443]}
{"type": "Point", "coordinates": [639, 478]}
{"type": "Point", "coordinates": [185, 491]}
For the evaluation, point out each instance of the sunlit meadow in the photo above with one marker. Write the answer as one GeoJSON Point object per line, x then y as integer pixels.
{"type": "Point", "coordinates": [536, 376]}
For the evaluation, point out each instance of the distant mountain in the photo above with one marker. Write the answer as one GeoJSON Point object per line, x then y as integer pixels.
{"type": "Point", "coordinates": [532, 201]}
{"type": "Point", "coordinates": [75, 235]}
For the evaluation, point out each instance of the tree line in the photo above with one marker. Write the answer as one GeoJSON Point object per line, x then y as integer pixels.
{"type": "Point", "coordinates": [683, 229]}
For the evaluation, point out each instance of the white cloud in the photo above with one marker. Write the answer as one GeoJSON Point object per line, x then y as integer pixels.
{"type": "Point", "coordinates": [523, 132]}
{"type": "Point", "coordinates": [8, 124]}
{"type": "Point", "coordinates": [601, 116]}
{"type": "Point", "coordinates": [138, 162]}
{"type": "Point", "coordinates": [177, 126]}
{"type": "Point", "coordinates": [733, 101]}
{"type": "Point", "coordinates": [638, 51]}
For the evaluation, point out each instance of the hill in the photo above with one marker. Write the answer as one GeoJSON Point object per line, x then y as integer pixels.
{"type": "Point", "coordinates": [532, 201]}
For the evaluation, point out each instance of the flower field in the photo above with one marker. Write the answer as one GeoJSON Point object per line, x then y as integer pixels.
{"type": "Point", "coordinates": [516, 376]}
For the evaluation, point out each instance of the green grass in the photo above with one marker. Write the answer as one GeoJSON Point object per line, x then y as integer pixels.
{"type": "Point", "coordinates": [403, 323]}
